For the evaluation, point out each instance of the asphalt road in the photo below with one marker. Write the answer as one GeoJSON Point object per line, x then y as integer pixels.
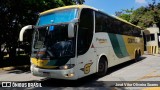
{"type": "Point", "coordinates": [146, 69]}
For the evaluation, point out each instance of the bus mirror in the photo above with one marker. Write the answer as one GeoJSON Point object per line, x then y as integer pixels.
{"type": "Point", "coordinates": [23, 30]}
{"type": "Point", "coordinates": [71, 30]}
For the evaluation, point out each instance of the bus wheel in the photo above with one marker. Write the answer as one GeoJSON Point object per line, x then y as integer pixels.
{"type": "Point", "coordinates": [136, 56]}
{"type": "Point", "coordinates": [139, 54]}
{"type": "Point", "coordinates": [102, 67]}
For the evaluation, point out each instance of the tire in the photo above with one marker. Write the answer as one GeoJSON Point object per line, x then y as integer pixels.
{"type": "Point", "coordinates": [102, 67]}
{"type": "Point", "coordinates": [139, 54]}
{"type": "Point", "coordinates": [136, 56]}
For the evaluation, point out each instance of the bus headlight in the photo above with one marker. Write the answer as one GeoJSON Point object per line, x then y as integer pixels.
{"type": "Point", "coordinates": [67, 66]}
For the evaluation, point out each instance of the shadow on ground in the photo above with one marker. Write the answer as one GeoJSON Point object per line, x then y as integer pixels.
{"type": "Point", "coordinates": [123, 65]}
{"type": "Point", "coordinates": [19, 70]}
{"type": "Point", "coordinates": [18, 63]}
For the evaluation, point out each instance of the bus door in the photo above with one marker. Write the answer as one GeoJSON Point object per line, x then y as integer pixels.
{"type": "Point", "coordinates": [85, 52]}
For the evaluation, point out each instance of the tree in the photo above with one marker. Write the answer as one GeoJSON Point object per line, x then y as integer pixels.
{"type": "Point", "coordinates": [144, 16]}
{"type": "Point", "coordinates": [138, 17]}
{"type": "Point", "coordinates": [125, 14]}
{"type": "Point", "coordinates": [14, 14]}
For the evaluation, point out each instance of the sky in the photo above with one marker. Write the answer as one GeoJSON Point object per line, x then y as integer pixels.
{"type": "Point", "coordinates": [111, 6]}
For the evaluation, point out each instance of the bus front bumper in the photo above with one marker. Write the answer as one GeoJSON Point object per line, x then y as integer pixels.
{"type": "Point", "coordinates": [51, 73]}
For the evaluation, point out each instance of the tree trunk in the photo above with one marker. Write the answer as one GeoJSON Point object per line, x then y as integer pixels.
{"type": "Point", "coordinates": [1, 53]}
{"type": "Point", "coordinates": [12, 53]}
{"type": "Point", "coordinates": [1, 56]}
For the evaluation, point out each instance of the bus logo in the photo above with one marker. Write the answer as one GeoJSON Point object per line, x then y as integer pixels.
{"type": "Point", "coordinates": [86, 68]}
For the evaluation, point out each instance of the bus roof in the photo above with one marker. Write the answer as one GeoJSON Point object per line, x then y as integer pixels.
{"type": "Point", "coordinates": [127, 22]}
{"type": "Point", "coordinates": [120, 19]}
{"type": "Point", "coordinates": [66, 7]}
{"type": "Point", "coordinates": [84, 6]}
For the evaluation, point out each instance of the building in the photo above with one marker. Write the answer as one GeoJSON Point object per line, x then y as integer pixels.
{"type": "Point", "coordinates": [152, 39]}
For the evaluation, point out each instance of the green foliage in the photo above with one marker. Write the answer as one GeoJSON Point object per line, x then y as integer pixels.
{"type": "Point", "coordinates": [143, 16]}
{"type": "Point", "coordinates": [125, 17]}
{"type": "Point", "coordinates": [138, 16]}
{"type": "Point", "coordinates": [125, 14]}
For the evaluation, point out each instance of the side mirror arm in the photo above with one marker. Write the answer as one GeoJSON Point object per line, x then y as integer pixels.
{"type": "Point", "coordinates": [23, 30]}
{"type": "Point", "coordinates": [71, 28]}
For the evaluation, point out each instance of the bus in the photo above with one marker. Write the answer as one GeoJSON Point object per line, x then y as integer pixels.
{"type": "Point", "coordinates": [75, 41]}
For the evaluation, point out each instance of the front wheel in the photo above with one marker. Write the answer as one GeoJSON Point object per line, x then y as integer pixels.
{"type": "Point", "coordinates": [102, 67]}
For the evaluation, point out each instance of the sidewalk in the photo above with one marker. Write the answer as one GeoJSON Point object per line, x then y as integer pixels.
{"type": "Point", "coordinates": [146, 53]}
{"type": "Point", "coordinates": [157, 55]}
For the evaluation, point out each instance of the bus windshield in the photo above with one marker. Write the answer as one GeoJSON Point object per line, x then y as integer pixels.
{"type": "Point", "coordinates": [61, 16]}
{"type": "Point", "coordinates": [56, 42]}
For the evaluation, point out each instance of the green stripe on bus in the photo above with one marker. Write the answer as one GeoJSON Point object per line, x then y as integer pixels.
{"type": "Point", "coordinates": [122, 45]}
{"type": "Point", "coordinates": [58, 62]}
{"type": "Point", "coordinates": [118, 45]}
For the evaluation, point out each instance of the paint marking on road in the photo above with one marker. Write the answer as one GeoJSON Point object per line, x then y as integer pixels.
{"type": "Point", "coordinates": [150, 75]}
{"type": "Point", "coordinates": [152, 88]}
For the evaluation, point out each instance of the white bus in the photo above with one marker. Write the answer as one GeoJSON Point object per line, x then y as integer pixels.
{"type": "Point", "coordinates": [72, 42]}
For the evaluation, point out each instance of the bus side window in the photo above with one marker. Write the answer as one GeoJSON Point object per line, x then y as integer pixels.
{"type": "Point", "coordinates": [85, 31]}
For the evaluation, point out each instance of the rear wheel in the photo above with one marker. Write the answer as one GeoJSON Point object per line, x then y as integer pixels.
{"type": "Point", "coordinates": [102, 67]}
{"type": "Point", "coordinates": [136, 56]}
{"type": "Point", "coordinates": [139, 54]}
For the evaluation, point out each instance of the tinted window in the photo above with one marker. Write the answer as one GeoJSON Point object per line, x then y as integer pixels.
{"type": "Point", "coordinates": [105, 23]}
{"type": "Point", "coordinates": [85, 31]}
{"type": "Point", "coordinates": [152, 37]}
